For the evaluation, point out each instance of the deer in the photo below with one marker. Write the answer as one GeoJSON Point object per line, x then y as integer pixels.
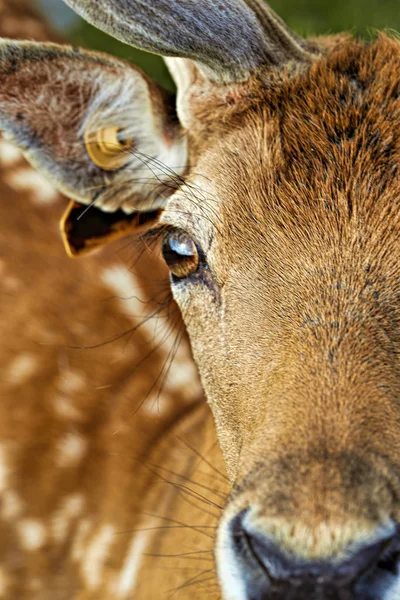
{"type": "Point", "coordinates": [269, 184]}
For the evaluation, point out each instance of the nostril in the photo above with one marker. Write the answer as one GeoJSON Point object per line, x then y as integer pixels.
{"type": "Point", "coordinates": [257, 551]}
{"type": "Point", "coordinates": [241, 540]}
{"type": "Point", "coordinates": [259, 554]}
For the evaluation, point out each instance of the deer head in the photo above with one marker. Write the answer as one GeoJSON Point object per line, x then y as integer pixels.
{"type": "Point", "coordinates": [274, 182]}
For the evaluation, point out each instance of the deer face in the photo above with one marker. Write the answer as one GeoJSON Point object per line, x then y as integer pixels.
{"type": "Point", "coordinates": [294, 321]}
{"type": "Point", "coordinates": [278, 180]}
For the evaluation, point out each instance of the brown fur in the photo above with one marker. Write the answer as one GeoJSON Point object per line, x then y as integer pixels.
{"type": "Point", "coordinates": [304, 235]}
{"type": "Point", "coordinates": [292, 195]}
{"type": "Point", "coordinates": [134, 461]}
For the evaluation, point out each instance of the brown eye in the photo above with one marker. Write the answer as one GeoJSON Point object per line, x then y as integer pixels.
{"type": "Point", "coordinates": [108, 148]}
{"type": "Point", "coordinates": [181, 255]}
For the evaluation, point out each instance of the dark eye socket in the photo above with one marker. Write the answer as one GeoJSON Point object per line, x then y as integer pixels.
{"type": "Point", "coordinates": [181, 254]}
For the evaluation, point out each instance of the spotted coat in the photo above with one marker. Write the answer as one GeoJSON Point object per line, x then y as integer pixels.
{"type": "Point", "coordinates": [106, 446]}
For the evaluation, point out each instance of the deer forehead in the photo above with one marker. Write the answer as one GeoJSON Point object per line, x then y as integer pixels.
{"type": "Point", "coordinates": [312, 159]}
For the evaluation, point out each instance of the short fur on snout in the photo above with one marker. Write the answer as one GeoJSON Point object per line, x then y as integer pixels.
{"type": "Point", "coordinates": [290, 190]}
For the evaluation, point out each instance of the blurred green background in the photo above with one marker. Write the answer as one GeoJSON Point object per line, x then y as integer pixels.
{"type": "Point", "coordinates": [307, 17]}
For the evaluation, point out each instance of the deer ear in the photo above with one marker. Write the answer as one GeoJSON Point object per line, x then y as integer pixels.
{"type": "Point", "coordinates": [99, 129]}
{"type": "Point", "coordinates": [229, 40]}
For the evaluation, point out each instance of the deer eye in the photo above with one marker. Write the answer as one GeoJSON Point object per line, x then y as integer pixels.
{"type": "Point", "coordinates": [181, 254]}
{"type": "Point", "coordinates": [108, 148]}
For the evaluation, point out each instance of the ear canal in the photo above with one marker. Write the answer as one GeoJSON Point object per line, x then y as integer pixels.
{"type": "Point", "coordinates": [228, 39]}
{"type": "Point", "coordinates": [108, 147]}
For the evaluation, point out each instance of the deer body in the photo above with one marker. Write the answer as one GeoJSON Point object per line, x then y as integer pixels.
{"type": "Point", "coordinates": [92, 484]}
{"type": "Point", "coordinates": [79, 456]}
{"type": "Point", "coordinates": [272, 182]}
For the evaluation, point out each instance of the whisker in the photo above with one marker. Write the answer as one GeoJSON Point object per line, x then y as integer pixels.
{"type": "Point", "coordinates": [203, 459]}
{"type": "Point", "coordinates": [192, 581]}
{"type": "Point", "coordinates": [214, 491]}
{"type": "Point", "coordinates": [156, 527]}
{"type": "Point", "coordinates": [119, 336]}
{"type": "Point", "coordinates": [180, 554]}
{"type": "Point", "coordinates": [157, 379]}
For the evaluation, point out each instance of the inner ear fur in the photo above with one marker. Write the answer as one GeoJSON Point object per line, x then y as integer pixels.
{"type": "Point", "coordinates": [98, 128]}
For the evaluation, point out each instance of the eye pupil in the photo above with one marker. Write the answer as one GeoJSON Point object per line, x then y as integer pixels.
{"type": "Point", "coordinates": [181, 255]}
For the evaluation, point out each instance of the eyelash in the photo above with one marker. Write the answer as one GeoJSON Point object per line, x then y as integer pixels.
{"type": "Point", "coordinates": [151, 237]}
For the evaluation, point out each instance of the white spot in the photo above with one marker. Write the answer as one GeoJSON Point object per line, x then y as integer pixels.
{"type": "Point", "coordinates": [71, 449]}
{"type": "Point", "coordinates": [9, 282]}
{"type": "Point", "coordinates": [27, 180]}
{"type": "Point", "coordinates": [11, 506]}
{"type": "Point", "coordinates": [22, 368]}
{"type": "Point", "coordinates": [125, 287]}
{"type": "Point", "coordinates": [82, 533]}
{"type": "Point", "coordinates": [157, 404]}
{"type": "Point", "coordinates": [126, 290]}
{"type": "Point", "coordinates": [132, 564]}
{"type": "Point", "coordinates": [32, 534]}
{"type": "Point", "coordinates": [183, 376]}
{"type": "Point", "coordinates": [71, 382]}
{"type": "Point", "coordinates": [74, 505]}
{"type": "Point", "coordinates": [65, 409]}
{"type": "Point", "coordinates": [9, 154]}
{"type": "Point", "coordinates": [96, 555]}
{"type": "Point", "coordinates": [12, 284]}
{"type": "Point", "coordinates": [70, 509]}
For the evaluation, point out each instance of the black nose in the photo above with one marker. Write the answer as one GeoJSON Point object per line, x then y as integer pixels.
{"type": "Point", "coordinates": [271, 574]}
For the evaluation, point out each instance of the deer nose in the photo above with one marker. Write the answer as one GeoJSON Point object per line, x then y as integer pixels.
{"type": "Point", "coordinates": [270, 573]}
